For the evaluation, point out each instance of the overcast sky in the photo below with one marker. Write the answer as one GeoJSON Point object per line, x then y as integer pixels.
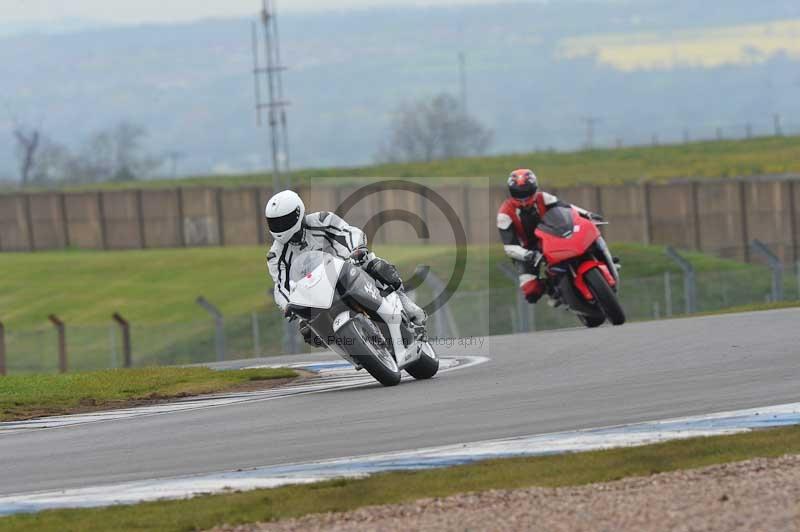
{"type": "Point", "coordinates": [135, 11]}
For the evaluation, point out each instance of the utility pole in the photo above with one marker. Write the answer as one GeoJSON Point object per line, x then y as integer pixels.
{"type": "Point", "coordinates": [776, 119]}
{"type": "Point", "coordinates": [275, 105]}
{"type": "Point", "coordinates": [174, 157]}
{"type": "Point", "coordinates": [590, 122]}
{"type": "Point", "coordinates": [462, 71]}
{"type": "Point", "coordinates": [284, 122]}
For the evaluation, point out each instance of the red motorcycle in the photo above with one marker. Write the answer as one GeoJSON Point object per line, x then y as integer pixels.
{"type": "Point", "coordinates": [581, 272]}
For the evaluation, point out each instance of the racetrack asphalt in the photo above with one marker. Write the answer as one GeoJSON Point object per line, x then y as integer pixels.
{"type": "Point", "coordinates": [534, 383]}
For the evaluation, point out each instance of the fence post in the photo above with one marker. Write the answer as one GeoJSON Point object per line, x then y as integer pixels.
{"type": "Point", "coordinates": [450, 329]}
{"type": "Point", "coordinates": [64, 218]}
{"type": "Point", "coordinates": [62, 342]}
{"type": "Point", "coordinates": [522, 305]}
{"type": "Point", "coordinates": [776, 267]}
{"type": "Point", "coordinates": [126, 339]}
{"type": "Point", "coordinates": [797, 271]}
{"type": "Point", "coordinates": [2, 349]}
{"type": "Point", "coordinates": [290, 337]}
{"type": "Point", "coordinates": [790, 193]}
{"type": "Point", "coordinates": [101, 215]}
{"type": "Point", "coordinates": [180, 221]}
{"type": "Point", "coordinates": [220, 217]}
{"type": "Point", "coordinates": [668, 294]}
{"type": "Point", "coordinates": [695, 190]}
{"type": "Point", "coordinates": [744, 224]}
{"type": "Point", "coordinates": [689, 280]}
{"type": "Point", "coordinates": [647, 214]}
{"type": "Point", "coordinates": [219, 325]}
{"type": "Point", "coordinates": [256, 335]}
{"type": "Point", "coordinates": [140, 219]}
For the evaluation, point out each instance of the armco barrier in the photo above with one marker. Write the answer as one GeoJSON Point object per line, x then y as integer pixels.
{"type": "Point", "coordinates": [720, 217]}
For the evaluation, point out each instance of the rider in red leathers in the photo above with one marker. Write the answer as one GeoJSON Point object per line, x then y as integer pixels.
{"type": "Point", "coordinates": [517, 219]}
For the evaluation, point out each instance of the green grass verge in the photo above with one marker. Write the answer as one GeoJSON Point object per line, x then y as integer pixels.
{"type": "Point", "coordinates": [28, 396]}
{"type": "Point", "coordinates": [156, 291]}
{"type": "Point", "coordinates": [711, 159]}
{"type": "Point", "coordinates": [341, 495]}
{"type": "Point", "coordinates": [160, 286]}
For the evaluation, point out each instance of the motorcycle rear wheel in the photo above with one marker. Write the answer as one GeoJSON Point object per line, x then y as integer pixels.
{"type": "Point", "coordinates": [605, 297]}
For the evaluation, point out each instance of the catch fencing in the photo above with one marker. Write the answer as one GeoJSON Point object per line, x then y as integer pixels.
{"type": "Point", "coordinates": [468, 313]}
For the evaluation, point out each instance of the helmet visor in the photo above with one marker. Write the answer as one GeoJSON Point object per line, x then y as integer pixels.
{"type": "Point", "coordinates": [523, 192]}
{"type": "Point", "coordinates": [283, 223]}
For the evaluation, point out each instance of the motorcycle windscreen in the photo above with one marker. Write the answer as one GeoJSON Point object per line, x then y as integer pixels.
{"type": "Point", "coordinates": [313, 279]}
{"type": "Point", "coordinates": [558, 221]}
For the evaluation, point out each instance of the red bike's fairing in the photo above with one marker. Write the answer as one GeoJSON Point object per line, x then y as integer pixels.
{"type": "Point", "coordinates": [566, 235]}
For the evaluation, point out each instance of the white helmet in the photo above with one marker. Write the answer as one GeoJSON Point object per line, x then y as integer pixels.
{"type": "Point", "coordinates": [285, 213]}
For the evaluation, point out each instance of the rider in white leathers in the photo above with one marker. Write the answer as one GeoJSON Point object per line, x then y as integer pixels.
{"type": "Point", "coordinates": [294, 233]}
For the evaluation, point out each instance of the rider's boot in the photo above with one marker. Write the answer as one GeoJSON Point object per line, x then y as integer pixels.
{"type": "Point", "coordinates": [554, 299]}
{"type": "Point", "coordinates": [414, 311]}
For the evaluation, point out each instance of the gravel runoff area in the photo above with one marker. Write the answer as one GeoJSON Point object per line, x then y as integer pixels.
{"type": "Point", "coordinates": [755, 495]}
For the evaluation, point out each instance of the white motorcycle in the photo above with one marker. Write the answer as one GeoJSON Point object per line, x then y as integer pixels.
{"type": "Point", "coordinates": [362, 322]}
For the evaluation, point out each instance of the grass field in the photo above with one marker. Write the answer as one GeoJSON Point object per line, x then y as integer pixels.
{"type": "Point", "coordinates": [202, 513]}
{"type": "Point", "coordinates": [160, 286]}
{"type": "Point", "coordinates": [713, 159]}
{"type": "Point", "coordinates": [156, 291]}
{"type": "Point", "coordinates": [29, 396]}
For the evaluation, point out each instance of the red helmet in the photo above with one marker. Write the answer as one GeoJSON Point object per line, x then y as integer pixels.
{"type": "Point", "coordinates": [522, 184]}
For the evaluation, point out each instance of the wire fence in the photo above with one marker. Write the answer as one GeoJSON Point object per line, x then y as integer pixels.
{"type": "Point", "coordinates": [93, 347]}
{"type": "Point", "coordinates": [647, 298]}
{"type": "Point", "coordinates": [493, 311]}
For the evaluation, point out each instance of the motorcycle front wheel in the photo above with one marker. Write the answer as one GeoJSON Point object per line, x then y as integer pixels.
{"type": "Point", "coordinates": [426, 366]}
{"type": "Point", "coordinates": [605, 297]}
{"type": "Point", "coordinates": [368, 349]}
{"type": "Point", "coordinates": [591, 321]}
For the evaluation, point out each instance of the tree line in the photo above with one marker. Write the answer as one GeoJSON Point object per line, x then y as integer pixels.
{"type": "Point", "coordinates": [436, 128]}
{"type": "Point", "coordinates": [113, 154]}
{"type": "Point", "coordinates": [431, 129]}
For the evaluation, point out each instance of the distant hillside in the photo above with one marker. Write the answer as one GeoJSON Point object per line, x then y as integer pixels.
{"type": "Point", "coordinates": [534, 70]}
